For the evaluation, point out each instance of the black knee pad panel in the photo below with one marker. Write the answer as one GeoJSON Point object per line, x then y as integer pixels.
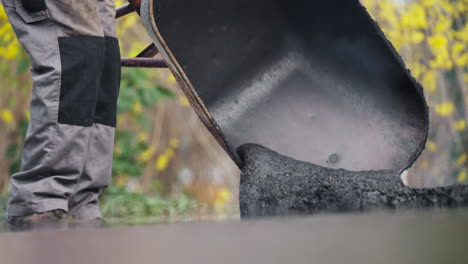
{"type": "Point", "coordinates": [34, 6]}
{"type": "Point", "coordinates": [82, 60]}
{"type": "Point", "coordinates": [106, 107]}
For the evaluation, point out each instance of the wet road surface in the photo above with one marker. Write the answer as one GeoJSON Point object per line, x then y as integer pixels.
{"type": "Point", "coordinates": [435, 236]}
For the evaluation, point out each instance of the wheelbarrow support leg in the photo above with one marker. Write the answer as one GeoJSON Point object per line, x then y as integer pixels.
{"type": "Point", "coordinates": [145, 58]}
{"type": "Point", "coordinates": [143, 63]}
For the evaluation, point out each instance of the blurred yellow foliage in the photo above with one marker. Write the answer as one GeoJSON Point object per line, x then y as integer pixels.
{"type": "Point", "coordinates": [170, 153]}
{"type": "Point", "coordinates": [462, 159]}
{"type": "Point", "coordinates": [161, 162]}
{"type": "Point", "coordinates": [174, 143]}
{"type": "Point", "coordinates": [432, 37]}
{"type": "Point", "coordinates": [222, 197]}
{"type": "Point", "coordinates": [445, 109]}
{"type": "Point", "coordinates": [415, 17]}
{"type": "Point", "coordinates": [9, 45]}
{"type": "Point", "coordinates": [460, 125]}
{"type": "Point", "coordinates": [7, 116]}
{"type": "Point", "coordinates": [142, 137]}
{"type": "Point", "coordinates": [431, 146]}
{"type": "Point", "coordinates": [417, 37]}
{"type": "Point", "coordinates": [429, 80]}
{"type": "Point", "coordinates": [137, 107]}
{"type": "Point", "coordinates": [117, 151]}
{"type": "Point", "coordinates": [438, 43]}
{"type": "Point", "coordinates": [183, 101]}
{"type": "Point", "coordinates": [146, 155]}
{"type": "Point", "coordinates": [172, 79]}
{"type": "Point", "coordinates": [462, 176]}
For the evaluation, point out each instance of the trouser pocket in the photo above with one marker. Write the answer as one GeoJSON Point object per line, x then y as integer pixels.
{"type": "Point", "coordinates": [31, 11]}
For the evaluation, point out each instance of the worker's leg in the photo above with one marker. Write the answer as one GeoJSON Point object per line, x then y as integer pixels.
{"type": "Point", "coordinates": [66, 45]}
{"type": "Point", "coordinates": [98, 167]}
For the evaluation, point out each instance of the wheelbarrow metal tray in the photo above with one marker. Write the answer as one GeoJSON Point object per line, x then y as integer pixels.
{"type": "Point", "coordinates": [315, 80]}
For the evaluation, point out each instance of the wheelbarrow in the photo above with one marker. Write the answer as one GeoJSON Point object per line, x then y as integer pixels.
{"type": "Point", "coordinates": [315, 80]}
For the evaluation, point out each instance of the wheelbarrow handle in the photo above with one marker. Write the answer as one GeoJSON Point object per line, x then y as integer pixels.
{"type": "Point", "coordinates": [123, 10]}
{"type": "Point", "coordinates": [131, 6]}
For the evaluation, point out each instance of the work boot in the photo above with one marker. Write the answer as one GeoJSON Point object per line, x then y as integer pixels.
{"type": "Point", "coordinates": [55, 219]}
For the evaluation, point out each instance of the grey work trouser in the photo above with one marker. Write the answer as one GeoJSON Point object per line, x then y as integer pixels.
{"type": "Point", "coordinates": [67, 153]}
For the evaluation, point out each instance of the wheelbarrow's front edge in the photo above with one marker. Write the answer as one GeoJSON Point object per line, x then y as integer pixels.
{"type": "Point", "coordinates": [147, 15]}
{"type": "Point", "coordinates": [314, 80]}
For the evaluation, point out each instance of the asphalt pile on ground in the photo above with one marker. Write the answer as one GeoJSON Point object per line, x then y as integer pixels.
{"type": "Point", "coordinates": [275, 185]}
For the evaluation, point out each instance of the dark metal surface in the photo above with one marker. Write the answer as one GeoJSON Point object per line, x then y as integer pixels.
{"type": "Point", "coordinates": [143, 63]}
{"type": "Point", "coordinates": [413, 237]}
{"type": "Point", "coordinates": [314, 80]}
